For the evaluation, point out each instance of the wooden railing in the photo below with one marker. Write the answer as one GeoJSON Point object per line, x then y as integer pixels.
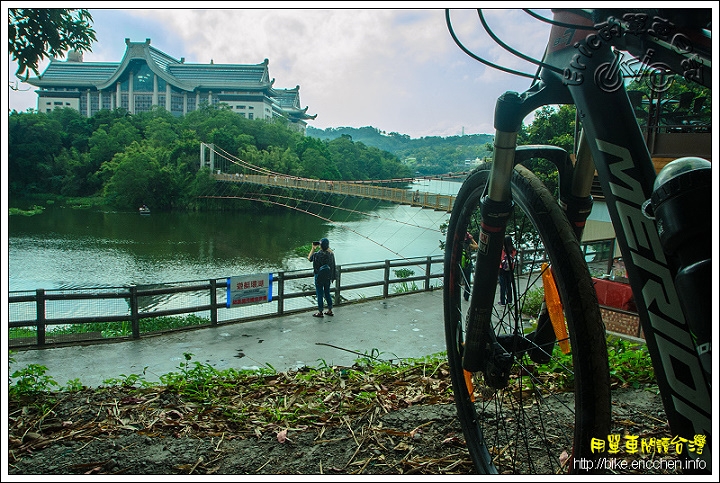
{"type": "Point", "coordinates": [291, 292]}
{"type": "Point", "coordinates": [41, 311]}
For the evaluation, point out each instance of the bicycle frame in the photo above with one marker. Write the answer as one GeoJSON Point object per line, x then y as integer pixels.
{"type": "Point", "coordinates": [612, 143]}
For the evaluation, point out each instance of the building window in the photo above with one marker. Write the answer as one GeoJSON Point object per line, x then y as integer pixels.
{"type": "Point", "coordinates": [241, 107]}
{"type": "Point", "coordinates": [94, 103]}
{"type": "Point", "coordinates": [176, 104]}
{"type": "Point", "coordinates": [143, 102]}
{"type": "Point", "coordinates": [250, 116]}
{"type": "Point", "coordinates": [143, 80]}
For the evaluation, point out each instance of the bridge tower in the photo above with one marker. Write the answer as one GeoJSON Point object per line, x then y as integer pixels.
{"type": "Point", "coordinates": [210, 162]}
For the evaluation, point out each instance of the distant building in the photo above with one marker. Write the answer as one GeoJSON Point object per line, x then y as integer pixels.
{"type": "Point", "coordinates": [147, 77]}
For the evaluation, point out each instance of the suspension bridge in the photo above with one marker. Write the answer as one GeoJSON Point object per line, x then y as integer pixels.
{"type": "Point", "coordinates": [234, 171]}
{"type": "Point", "coordinates": [228, 168]}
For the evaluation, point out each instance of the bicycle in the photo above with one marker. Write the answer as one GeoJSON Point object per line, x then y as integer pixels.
{"type": "Point", "coordinates": [533, 396]}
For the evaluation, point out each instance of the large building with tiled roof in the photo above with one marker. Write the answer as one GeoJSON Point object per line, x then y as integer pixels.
{"type": "Point", "coordinates": [147, 77]}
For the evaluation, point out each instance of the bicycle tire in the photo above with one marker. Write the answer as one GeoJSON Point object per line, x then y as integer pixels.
{"type": "Point", "coordinates": [495, 422]}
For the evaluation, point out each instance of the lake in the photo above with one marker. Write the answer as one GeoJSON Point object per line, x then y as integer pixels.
{"type": "Point", "coordinates": [65, 248]}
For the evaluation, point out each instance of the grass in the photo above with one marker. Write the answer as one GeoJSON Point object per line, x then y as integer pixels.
{"type": "Point", "coordinates": [404, 287]}
{"type": "Point", "coordinates": [259, 397]}
{"type": "Point", "coordinates": [116, 329]}
{"type": "Point", "coordinates": [39, 199]}
{"type": "Point", "coordinates": [629, 362]}
{"type": "Point", "coordinates": [201, 400]}
{"type": "Point", "coordinates": [34, 210]}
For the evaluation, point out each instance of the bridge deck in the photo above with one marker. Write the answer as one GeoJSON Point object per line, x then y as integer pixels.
{"type": "Point", "coordinates": [348, 188]}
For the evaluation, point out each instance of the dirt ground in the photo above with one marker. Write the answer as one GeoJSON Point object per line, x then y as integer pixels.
{"type": "Point", "coordinates": [123, 431]}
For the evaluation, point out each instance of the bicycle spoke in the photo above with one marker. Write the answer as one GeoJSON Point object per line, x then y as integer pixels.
{"type": "Point", "coordinates": [520, 411]}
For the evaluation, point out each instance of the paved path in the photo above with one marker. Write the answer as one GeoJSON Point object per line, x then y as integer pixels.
{"type": "Point", "coordinates": [405, 326]}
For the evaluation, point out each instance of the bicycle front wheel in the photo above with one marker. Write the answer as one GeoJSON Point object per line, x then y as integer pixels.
{"type": "Point", "coordinates": [555, 397]}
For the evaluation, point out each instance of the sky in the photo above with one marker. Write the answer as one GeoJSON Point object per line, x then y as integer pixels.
{"type": "Point", "coordinates": [396, 69]}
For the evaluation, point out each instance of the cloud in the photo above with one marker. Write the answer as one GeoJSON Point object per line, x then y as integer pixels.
{"type": "Point", "coordinates": [394, 69]}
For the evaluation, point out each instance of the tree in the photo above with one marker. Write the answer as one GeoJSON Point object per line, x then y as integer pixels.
{"type": "Point", "coordinates": [36, 33]}
{"type": "Point", "coordinates": [34, 140]}
{"type": "Point", "coordinates": [312, 159]}
{"type": "Point", "coordinates": [555, 126]}
{"type": "Point", "coordinates": [140, 175]}
{"type": "Point", "coordinates": [76, 128]}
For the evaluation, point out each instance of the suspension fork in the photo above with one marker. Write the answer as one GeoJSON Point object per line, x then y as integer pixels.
{"type": "Point", "coordinates": [481, 346]}
{"type": "Point", "coordinates": [482, 350]}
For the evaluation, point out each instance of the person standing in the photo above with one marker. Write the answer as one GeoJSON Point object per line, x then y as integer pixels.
{"type": "Point", "coordinates": [466, 264]}
{"type": "Point", "coordinates": [323, 260]}
{"type": "Point", "coordinates": [506, 269]}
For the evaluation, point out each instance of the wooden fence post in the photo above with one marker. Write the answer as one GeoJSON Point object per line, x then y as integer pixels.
{"type": "Point", "coordinates": [386, 279]}
{"type": "Point", "coordinates": [428, 267]}
{"type": "Point", "coordinates": [338, 271]}
{"type": "Point", "coordinates": [281, 293]}
{"type": "Point", "coordinates": [213, 302]}
{"type": "Point", "coordinates": [134, 318]}
{"type": "Point", "coordinates": [40, 315]}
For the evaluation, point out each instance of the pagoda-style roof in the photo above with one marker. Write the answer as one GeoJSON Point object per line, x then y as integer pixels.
{"type": "Point", "coordinates": [157, 60]}
{"type": "Point", "coordinates": [239, 76]}
{"type": "Point", "coordinates": [81, 74]}
{"type": "Point", "coordinates": [188, 77]}
{"type": "Point", "coordinates": [289, 102]}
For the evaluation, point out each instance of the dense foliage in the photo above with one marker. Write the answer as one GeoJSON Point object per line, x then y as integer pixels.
{"type": "Point", "coordinates": [36, 33]}
{"type": "Point", "coordinates": [429, 155]}
{"type": "Point", "coordinates": [154, 157]}
{"type": "Point", "coordinates": [432, 155]}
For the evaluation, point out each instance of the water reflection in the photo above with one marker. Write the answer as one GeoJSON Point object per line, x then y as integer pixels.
{"type": "Point", "coordinates": [65, 248]}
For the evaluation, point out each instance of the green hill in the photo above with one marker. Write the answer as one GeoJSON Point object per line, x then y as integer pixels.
{"type": "Point", "coordinates": [427, 155]}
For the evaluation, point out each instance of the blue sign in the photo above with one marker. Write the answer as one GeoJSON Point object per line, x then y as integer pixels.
{"type": "Point", "coordinates": [249, 289]}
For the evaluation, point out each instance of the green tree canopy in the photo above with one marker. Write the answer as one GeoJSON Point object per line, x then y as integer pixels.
{"type": "Point", "coordinates": [154, 157]}
{"type": "Point", "coordinates": [34, 140]}
{"type": "Point", "coordinates": [36, 33]}
{"type": "Point", "coordinates": [140, 175]}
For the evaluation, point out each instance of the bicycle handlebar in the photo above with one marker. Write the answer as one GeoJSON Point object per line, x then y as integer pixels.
{"type": "Point", "coordinates": [678, 40]}
{"type": "Point", "coordinates": [672, 40]}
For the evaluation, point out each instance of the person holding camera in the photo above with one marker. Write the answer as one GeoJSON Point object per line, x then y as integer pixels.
{"type": "Point", "coordinates": [323, 260]}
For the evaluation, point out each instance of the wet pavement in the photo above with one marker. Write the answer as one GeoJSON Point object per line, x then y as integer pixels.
{"type": "Point", "coordinates": [398, 327]}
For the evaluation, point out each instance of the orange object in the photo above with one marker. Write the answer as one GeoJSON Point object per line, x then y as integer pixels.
{"type": "Point", "coordinates": [555, 309]}
{"type": "Point", "coordinates": [469, 385]}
